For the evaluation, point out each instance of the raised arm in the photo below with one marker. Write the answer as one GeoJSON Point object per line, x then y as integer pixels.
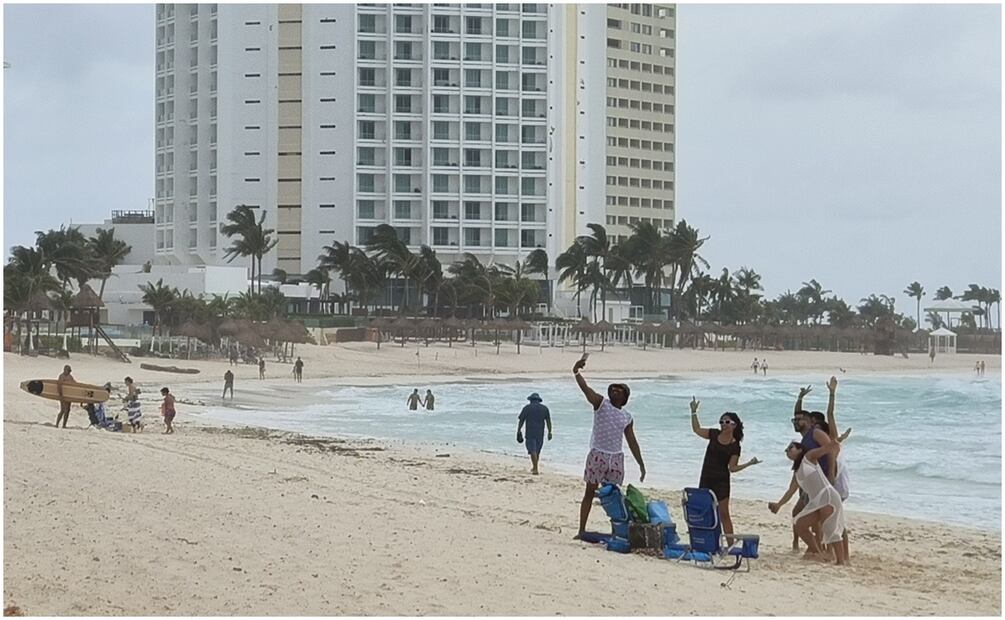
{"type": "Point", "coordinates": [831, 421]}
{"type": "Point", "coordinates": [695, 424]}
{"type": "Point", "coordinates": [595, 399]}
{"type": "Point", "coordinates": [844, 435]}
{"type": "Point", "coordinates": [799, 400]}
{"type": "Point", "coordinates": [633, 445]}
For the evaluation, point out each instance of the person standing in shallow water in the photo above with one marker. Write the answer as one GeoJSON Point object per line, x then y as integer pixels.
{"type": "Point", "coordinates": [261, 368]}
{"type": "Point", "coordinates": [298, 370]}
{"type": "Point", "coordinates": [430, 401]}
{"type": "Point", "coordinates": [605, 462]}
{"type": "Point", "coordinates": [413, 400]}
{"type": "Point", "coordinates": [535, 415]}
{"type": "Point", "coordinates": [228, 384]}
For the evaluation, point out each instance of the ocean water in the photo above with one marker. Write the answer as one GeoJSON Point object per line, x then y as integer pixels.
{"type": "Point", "coordinates": [926, 447]}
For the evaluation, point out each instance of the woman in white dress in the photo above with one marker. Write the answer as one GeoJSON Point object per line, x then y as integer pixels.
{"type": "Point", "coordinates": [824, 507]}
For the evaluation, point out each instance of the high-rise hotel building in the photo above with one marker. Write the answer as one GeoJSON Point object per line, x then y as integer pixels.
{"type": "Point", "coordinates": [485, 128]}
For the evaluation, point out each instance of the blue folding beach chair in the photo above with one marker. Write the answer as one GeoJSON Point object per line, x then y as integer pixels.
{"type": "Point", "coordinates": [707, 544]}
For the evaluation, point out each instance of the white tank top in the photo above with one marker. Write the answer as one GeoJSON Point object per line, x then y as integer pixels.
{"type": "Point", "coordinates": [609, 425]}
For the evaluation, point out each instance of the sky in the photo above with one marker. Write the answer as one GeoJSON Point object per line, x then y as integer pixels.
{"type": "Point", "coordinates": [859, 145]}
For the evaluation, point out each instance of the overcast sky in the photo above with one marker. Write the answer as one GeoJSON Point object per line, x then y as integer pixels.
{"type": "Point", "coordinates": [859, 145]}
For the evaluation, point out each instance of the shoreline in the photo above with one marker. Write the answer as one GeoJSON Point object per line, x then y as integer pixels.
{"type": "Point", "coordinates": [250, 521]}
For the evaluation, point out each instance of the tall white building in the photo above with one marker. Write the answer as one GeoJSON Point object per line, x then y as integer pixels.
{"type": "Point", "coordinates": [485, 128]}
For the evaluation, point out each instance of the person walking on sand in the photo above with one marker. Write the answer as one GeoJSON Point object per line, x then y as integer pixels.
{"type": "Point", "coordinates": [298, 370]}
{"type": "Point", "coordinates": [413, 400]}
{"type": "Point", "coordinates": [722, 457]}
{"type": "Point", "coordinates": [764, 367]}
{"type": "Point", "coordinates": [430, 401]}
{"type": "Point", "coordinates": [261, 368]}
{"type": "Point", "coordinates": [931, 355]}
{"type": "Point", "coordinates": [228, 384]}
{"type": "Point", "coordinates": [167, 410]}
{"type": "Point", "coordinates": [823, 507]}
{"type": "Point", "coordinates": [133, 410]}
{"type": "Point", "coordinates": [64, 405]}
{"type": "Point", "coordinates": [755, 366]}
{"type": "Point", "coordinates": [605, 463]}
{"type": "Point", "coordinates": [535, 415]}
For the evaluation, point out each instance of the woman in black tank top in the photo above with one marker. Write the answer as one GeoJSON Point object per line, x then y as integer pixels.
{"type": "Point", "coordinates": [722, 457]}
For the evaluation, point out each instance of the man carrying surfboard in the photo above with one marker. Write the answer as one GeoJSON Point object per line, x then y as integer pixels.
{"type": "Point", "coordinates": [64, 405]}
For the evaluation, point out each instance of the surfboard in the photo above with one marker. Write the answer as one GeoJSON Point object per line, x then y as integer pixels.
{"type": "Point", "coordinates": [73, 392]}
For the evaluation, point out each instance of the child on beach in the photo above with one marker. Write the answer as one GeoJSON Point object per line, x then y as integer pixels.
{"type": "Point", "coordinates": [167, 410]}
{"type": "Point", "coordinates": [133, 410]}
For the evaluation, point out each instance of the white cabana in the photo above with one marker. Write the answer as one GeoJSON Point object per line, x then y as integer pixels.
{"type": "Point", "coordinates": [942, 341]}
{"type": "Point", "coordinates": [950, 306]}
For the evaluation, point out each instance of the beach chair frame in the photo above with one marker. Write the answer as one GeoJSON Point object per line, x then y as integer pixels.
{"type": "Point", "coordinates": [708, 548]}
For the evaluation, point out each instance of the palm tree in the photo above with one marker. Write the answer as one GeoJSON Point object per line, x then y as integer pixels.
{"type": "Point", "coordinates": [914, 289]}
{"type": "Point", "coordinates": [944, 292]}
{"type": "Point", "coordinates": [934, 319]}
{"type": "Point", "coordinates": [684, 246]}
{"type": "Point", "coordinates": [571, 267]}
{"type": "Point", "coordinates": [388, 248]}
{"type": "Point", "coordinates": [812, 295]}
{"type": "Point", "coordinates": [429, 276]}
{"type": "Point", "coordinates": [241, 223]}
{"type": "Point", "coordinates": [321, 280]}
{"type": "Point", "coordinates": [839, 313]}
{"type": "Point", "coordinates": [25, 275]}
{"type": "Point", "coordinates": [537, 262]}
{"type": "Point", "coordinates": [995, 297]}
{"type": "Point", "coordinates": [873, 308]}
{"type": "Point", "coordinates": [515, 289]}
{"type": "Point", "coordinates": [159, 298]}
{"type": "Point", "coordinates": [651, 253]}
{"type": "Point", "coordinates": [107, 252]}
{"type": "Point", "coordinates": [724, 293]}
{"type": "Point", "coordinates": [748, 279]}
{"type": "Point", "coordinates": [478, 281]}
{"type": "Point", "coordinates": [67, 250]}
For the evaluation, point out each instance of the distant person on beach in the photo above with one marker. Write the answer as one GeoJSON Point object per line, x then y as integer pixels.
{"type": "Point", "coordinates": [261, 368]}
{"type": "Point", "coordinates": [977, 368]}
{"type": "Point", "coordinates": [605, 462]}
{"type": "Point", "coordinates": [983, 367]}
{"type": "Point", "coordinates": [298, 370]}
{"type": "Point", "coordinates": [430, 401]}
{"type": "Point", "coordinates": [233, 355]}
{"type": "Point", "coordinates": [64, 405]}
{"type": "Point", "coordinates": [764, 367]}
{"type": "Point", "coordinates": [722, 457]}
{"type": "Point", "coordinates": [823, 507]}
{"type": "Point", "coordinates": [755, 365]}
{"type": "Point", "coordinates": [535, 415]}
{"type": "Point", "coordinates": [228, 384]}
{"type": "Point", "coordinates": [133, 410]}
{"type": "Point", "coordinates": [167, 410]}
{"type": "Point", "coordinates": [931, 355]}
{"type": "Point", "coordinates": [413, 400]}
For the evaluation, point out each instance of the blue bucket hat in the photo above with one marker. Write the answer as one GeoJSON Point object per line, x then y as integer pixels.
{"type": "Point", "coordinates": [534, 397]}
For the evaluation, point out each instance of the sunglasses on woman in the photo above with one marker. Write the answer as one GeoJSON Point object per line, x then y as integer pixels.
{"type": "Point", "coordinates": [727, 421]}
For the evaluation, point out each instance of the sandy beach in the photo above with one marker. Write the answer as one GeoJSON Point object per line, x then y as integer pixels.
{"type": "Point", "coordinates": [247, 521]}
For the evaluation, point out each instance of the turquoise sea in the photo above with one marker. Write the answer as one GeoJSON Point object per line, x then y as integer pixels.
{"type": "Point", "coordinates": [926, 447]}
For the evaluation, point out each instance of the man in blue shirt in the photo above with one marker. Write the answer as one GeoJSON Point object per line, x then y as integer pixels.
{"type": "Point", "coordinates": [535, 416]}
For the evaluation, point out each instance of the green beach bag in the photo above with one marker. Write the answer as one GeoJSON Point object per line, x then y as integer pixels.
{"type": "Point", "coordinates": [635, 501]}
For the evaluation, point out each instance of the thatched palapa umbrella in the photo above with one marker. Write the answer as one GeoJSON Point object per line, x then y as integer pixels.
{"type": "Point", "coordinates": [518, 325]}
{"type": "Point", "coordinates": [403, 326]}
{"type": "Point", "coordinates": [452, 325]}
{"type": "Point", "coordinates": [429, 326]}
{"type": "Point", "coordinates": [380, 324]}
{"type": "Point", "coordinates": [471, 325]}
{"type": "Point", "coordinates": [646, 329]}
{"type": "Point", "coordinates": [584, 327]}
{"type": "Point", "coordinates": [664, 329]}
{"type": "Point", "coordinates": [86, 299]}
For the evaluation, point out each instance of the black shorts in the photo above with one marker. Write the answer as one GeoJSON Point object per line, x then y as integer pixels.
{"type": "Point", "coordinates": [719, 486]}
